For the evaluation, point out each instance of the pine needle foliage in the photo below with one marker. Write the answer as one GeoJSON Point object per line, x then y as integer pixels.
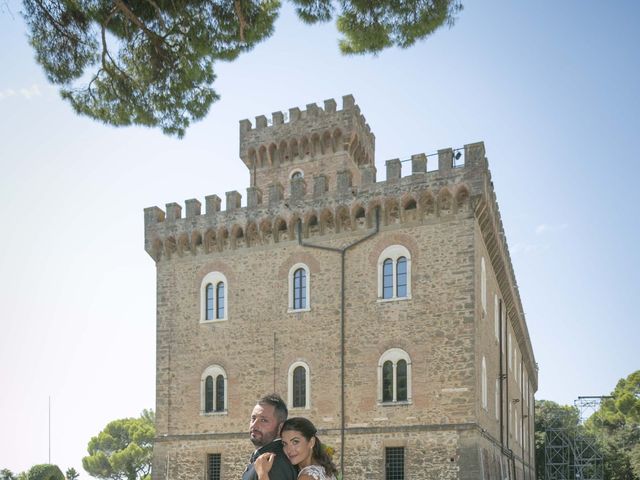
{"type": "Point", "coordinates": [151, 62]}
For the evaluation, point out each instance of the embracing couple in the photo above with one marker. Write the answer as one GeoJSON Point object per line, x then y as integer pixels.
{"type": "Point", "coordinates": [285, 449]}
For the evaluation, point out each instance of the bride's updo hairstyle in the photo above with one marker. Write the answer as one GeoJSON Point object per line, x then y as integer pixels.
{"type": "Point", "coordinates": [309, 431]}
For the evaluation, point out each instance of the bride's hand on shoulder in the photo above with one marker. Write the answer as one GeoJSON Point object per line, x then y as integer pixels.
{"type": "Point", "coordinates": [263, 465]}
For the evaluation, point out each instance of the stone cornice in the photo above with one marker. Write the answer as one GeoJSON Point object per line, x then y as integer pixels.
{"type": "Point", "coordinates": [490, 222]}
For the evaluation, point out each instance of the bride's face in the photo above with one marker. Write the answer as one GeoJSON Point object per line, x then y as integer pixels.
{"type": "Point", "coordinates": [297, 448]}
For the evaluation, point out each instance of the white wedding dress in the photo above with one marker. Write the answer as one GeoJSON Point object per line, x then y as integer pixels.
{"type": "Point", "coordinates": [317, 472]}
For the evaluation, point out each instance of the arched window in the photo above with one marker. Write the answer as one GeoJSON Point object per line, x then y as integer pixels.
{"type": "Point", "coordinates": [299, 386]}
{"type": "Point", "coordinates": [208, 394]}
{"type": "Point", "coordinates": [210, 302]}
{"type": "Point", "coordinates": [387, 381]}
{"type": "Point", "coordinates": [213, 295]}
{"type": "Point", "coordinates": [496, 315]}
{"type": "Point", "coordinates": [299, 288]}
{"type": "Point", "coordinates": [297, 173]}
{"type": "Point", "coordinates": [483, 286]}
{"type": "Point", "coordinates": [213, 390]}
{"type": "Point", "coordinates": [220, 392]}
{"type": "Point", "coordinates": [387, 278]}
{"type": "Point", "coordinates": [484, 384]}
{"type": "Point", "coordinates": [394, 273]}
{"type": "Point", "coordinates": [401, 277]}
{"type": "Point", "coordinates": [497, 395]}
{"type": "Point", "coordinates": [401, 380]}
{"type": "Point", "coordinates": [220, 300]}
{"type": "Point", "coordinates": [394, 377]}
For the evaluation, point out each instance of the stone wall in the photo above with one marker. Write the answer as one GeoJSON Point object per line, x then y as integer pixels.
{"type": "Point", "coordinates": [448, 221]}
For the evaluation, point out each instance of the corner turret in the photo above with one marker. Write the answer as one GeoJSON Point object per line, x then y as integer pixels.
{"type": "Point", "coordinates": [306, 144]}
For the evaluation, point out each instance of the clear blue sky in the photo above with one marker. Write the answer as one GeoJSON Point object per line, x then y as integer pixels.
{"type": "Point", "coordinates": [550, 87]}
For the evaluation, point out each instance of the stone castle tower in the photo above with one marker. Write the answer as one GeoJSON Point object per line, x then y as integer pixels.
{"type": "Point", "coordinates": [387, 312]}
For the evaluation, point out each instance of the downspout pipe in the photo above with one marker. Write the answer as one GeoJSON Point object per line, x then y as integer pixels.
{"type": "Point", "coordinates": [520, 371]}
{"type": "Point", "coordinates": [532, 427]}
{"type": "Point", "coordinates": [342, 251]}
{"type": "Point", "coordinates": [501, 376]}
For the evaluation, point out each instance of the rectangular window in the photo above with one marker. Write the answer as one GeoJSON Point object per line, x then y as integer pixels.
{"type": "Point", "coordinates": [394, 463]}
{"type": "Point", "coordinates": [214, 461]}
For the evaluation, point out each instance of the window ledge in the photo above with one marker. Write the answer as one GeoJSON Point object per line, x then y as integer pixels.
{"type": "Point", "coordinates": [393, 299]}
{"type": "Point", "coordinates": [215, 320]}
{"type": "Point", "coordinates": [298, 310]}
{"type": "Point", "coordinates": [214, 414]}
{"type": "Point", "coordinates": [394, 404]}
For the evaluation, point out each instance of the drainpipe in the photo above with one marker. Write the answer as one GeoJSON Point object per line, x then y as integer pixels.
{"type": "Point", "coordinates": [506, 384]}
{"type": "Point", "coordinates": [524, 473]}
{"type": "Point", "coordinates": [504, 392]}
{"type": "Point", "coordinates": [342, 251]}
{"type": "Point", "coordinates": [501, 376]}
{"type": "Point", "coordinates": [532, 427]}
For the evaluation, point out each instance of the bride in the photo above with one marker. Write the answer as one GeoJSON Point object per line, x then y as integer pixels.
{"type": "Point", "coordinates": [303, 449]}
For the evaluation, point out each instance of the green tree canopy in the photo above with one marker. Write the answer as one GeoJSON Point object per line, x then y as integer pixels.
{"type": "Point", "coordinates": [123, 450]}
{"type": "Point", "coordinates": [634, 460]}
{"type": "Point", "coordinates": [6, 474]}
{"type": "Point", "coordinates": [617, 426]}
{"type": "Point", "coordinates": [45, 471]}
{"type": "Point", "coordinates": [71, 474]}
{"type": "Point", "coordinates": [623, 408]}
{"type": "Point", "coordinates": [151, 62]}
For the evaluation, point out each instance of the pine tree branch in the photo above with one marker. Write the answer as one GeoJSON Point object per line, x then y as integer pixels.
{"type": "Point", "coordinates": [159, 12]}
{"type": "Point", "coordinates": [56, 24]}
{"type": "Point", "coordinates": [122, 7]}
{"type": "Point", "coordinates": [241, 20]}
{"type": "Point", "coordinates": [105, 51]}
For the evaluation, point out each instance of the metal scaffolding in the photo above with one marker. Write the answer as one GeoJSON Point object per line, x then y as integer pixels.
{"type": "Point", "coordinates": [573, 455]}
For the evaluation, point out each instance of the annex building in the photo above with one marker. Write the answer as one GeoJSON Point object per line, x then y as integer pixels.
{"type": "Point", "coordinates": [385, 310]}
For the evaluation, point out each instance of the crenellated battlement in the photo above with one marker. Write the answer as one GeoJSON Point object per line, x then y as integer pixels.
{"type": "Point", "coordinates": [271, 216]}
{"type": "Point", "coordinates": [341, 138]}
{"type": "Point", "coordinates": [295, 114]}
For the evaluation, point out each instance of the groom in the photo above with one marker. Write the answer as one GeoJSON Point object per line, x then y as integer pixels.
{"type": "Point", "coordinates": [264, 429]}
